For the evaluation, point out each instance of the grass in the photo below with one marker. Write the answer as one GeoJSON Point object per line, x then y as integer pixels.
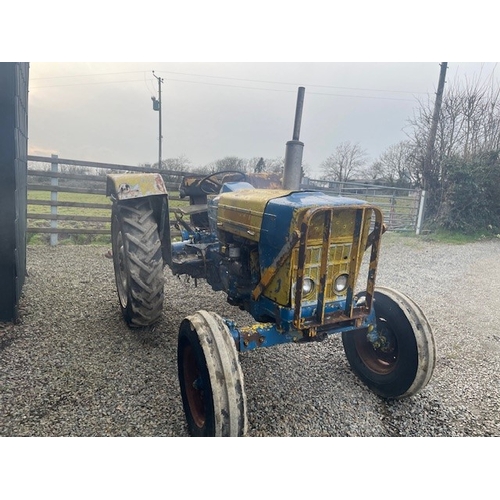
{"type": "Point", "coordinates": [76, 197]}
{"type": "Point", "coordinates": [78, 239]}
{"type": "Point", "coordinates": [438, 236]}
{"type": "Point", "coordinates": [65, 239]}
{"type": "Point", "coordinates": [455, 238]}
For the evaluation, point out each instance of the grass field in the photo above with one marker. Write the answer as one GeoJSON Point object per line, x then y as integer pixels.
{"type": "Point", "coordinates": [44, 238]}
{"type": "Point", "coordinates": [80, 198]}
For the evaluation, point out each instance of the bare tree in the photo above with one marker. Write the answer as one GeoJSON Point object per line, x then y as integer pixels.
{"type": "Point", "coordinates": [468, 128]}
{"type": "Point", "coordinates": [180, 164]}
{"type": "Point", "coordinates": [275, 165]}
{"type": "Point", "coordinates": [227, 163]}
{"type": "Point", "coordinates": [469, 122]}
{"type": "Point", "coordinates": [376, 171]}
{"type": "Point", "coordinates": [394, 166]}
{"type": "Point", "coordinates": [345, 162]}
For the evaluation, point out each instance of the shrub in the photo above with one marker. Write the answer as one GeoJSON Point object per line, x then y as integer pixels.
{"type": "Point", "coordinates": [471, 194]}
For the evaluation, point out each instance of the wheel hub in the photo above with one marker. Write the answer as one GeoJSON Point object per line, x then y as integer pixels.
{"type": "Point", "coordinates": [379, 353]}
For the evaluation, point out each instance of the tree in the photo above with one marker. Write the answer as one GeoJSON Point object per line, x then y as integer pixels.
{"type": "Point", "coordinates": [468, 129]}
{"type": "Point", "coordinates": [228, 163]}
{"type": "Point", "coordinates": [180, 164]}
{"type": "Point", "coordinates": [394, 166]}
{"type": "Point", "coordinates": [260, 167]}
{"type": "Point", "coordinates": [345, 162]}
{"type": "Point", "coordinates": [259, 164]}
{"type": "Point", "coordinates": [376, 171]}
{"type": "Point", "coordinates": [471, 195]}
{"type": "Point", "coordinates": [274, 165]}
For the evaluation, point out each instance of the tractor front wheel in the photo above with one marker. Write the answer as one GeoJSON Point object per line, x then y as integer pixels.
{"type": "Point", "coordinates": [138, 262]}
{"type": "Point", "coordinates": [399, 361]}
{"type": "Point", "coordinates": [210, 377]}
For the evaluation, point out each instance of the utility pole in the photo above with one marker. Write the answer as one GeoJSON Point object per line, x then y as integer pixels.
{"type": "Point", "coordinates": [429, 178]}
{"type": "Point", "coordinates": [157, 107]}
{"type": "Point", "coordinates": [435, 120]}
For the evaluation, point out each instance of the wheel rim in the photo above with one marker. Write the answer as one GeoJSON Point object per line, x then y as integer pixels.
{"type": "Point", "coordinates": [121, 270]}
{"type": "Point", "coordinates": [381, 356]}
{"type": "Point", "coordinates": [193, 387]}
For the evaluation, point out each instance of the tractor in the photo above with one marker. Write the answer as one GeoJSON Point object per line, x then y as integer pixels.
{"type": "Point", "coordinates": [290, 257]}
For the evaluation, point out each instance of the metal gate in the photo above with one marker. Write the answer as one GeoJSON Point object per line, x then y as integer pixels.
{"type": "Point", "coordinates": [401, 207]}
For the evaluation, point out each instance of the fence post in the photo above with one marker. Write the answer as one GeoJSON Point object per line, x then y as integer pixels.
{"type": "Point", "coordinates": [392, 211]}
{"type": "Point", "coordinates": [420, 212]}
{"type": "Point", "coordinates": [54, 181]}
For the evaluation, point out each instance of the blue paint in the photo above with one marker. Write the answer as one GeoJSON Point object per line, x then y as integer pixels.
{"type": "Point", "coordinates": [202, 255]}
{"type": "Point", "coordinates": [269, 334]}
{"type": "Point", "coordinates": [278, 216]}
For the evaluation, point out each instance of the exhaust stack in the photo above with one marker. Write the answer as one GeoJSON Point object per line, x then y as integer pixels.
{"type": "Point", "coordinates": [293, 154]}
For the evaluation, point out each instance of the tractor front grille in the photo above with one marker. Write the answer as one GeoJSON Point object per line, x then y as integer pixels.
{"type": "Point", "coordinates": [332, 242]}
{"type": "Point", "coordinates": [338, 263]}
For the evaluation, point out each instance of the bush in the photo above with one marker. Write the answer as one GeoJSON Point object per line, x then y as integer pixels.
{"type": "Point", "coordinates": [471, 195]}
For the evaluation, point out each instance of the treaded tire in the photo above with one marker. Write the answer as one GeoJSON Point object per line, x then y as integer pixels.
{"type": "Point", "coordinates": [404, 363]}
{"type": "Point", "coordinates": [138, 262]}
{"type": "Point", "coordinates": [210, 377]}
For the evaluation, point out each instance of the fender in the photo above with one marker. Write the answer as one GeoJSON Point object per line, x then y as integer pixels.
{"type": "Point", "coordinates": [121, 187]}
{"type": "Point", "coordinates": [127, 186]}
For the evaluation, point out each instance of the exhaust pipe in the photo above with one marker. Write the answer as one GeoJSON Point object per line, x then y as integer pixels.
{"type": "Point", "coordinates": [293, 154]}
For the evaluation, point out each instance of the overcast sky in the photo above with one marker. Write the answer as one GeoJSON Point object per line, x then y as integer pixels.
{"type": "Point", "coordinates": [103, 111]}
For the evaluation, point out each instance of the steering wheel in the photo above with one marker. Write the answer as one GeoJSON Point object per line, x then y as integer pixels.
{"type": "Point", "coordinates": [213, 183]}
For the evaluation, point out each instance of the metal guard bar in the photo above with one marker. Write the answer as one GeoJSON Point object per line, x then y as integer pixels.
{"type": "Point", "coordinates": [350, 312]}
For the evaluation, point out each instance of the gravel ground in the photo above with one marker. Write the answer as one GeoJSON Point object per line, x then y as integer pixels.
{"type": "Point", "coordinates": [71, 367]}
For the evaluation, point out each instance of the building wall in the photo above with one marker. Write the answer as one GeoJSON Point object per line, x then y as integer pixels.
{"type": "Point", "coordinates": [14, 77]}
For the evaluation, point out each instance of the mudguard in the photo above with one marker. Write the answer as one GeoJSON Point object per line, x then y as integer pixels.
{"type": "Point", "coordinates": [127, 186]}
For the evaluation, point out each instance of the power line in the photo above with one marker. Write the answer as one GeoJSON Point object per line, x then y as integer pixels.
{"type": "Point", "coordinates": [222, 78]}
{"type": "Point", "coordinates": [82, 83]}
{"type": "Point", "coordinates": [293, 91]}
{"type": "Point", "coordinates": [295, 84]}
{"type": "Point", "coordinates": [231, 86]}
{"type": "Point", "coordinates": [88, 74]}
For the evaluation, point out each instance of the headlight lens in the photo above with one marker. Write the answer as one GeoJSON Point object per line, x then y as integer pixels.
{"type": "Point", "coordinates": [340, 283]}
{"type": "Point", "coordinates": [307, 286]}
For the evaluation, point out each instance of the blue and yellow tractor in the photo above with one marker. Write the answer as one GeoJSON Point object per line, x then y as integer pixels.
{"type": "Point", "coordinates": [292, 258]}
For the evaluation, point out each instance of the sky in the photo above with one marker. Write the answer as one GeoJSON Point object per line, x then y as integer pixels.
{"type": "Point", "coordinates": [103, 111]}
{"type": "Point", "coordinates": [231, 72]}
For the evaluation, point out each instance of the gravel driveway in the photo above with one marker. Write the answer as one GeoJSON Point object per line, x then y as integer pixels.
{"type": "Point", "coordinates": [71, 367]}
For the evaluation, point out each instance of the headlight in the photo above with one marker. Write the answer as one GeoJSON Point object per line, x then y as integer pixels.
{"type": "Point", "coordinates": [307, 287]}
{"type": "Point", "coordinates": [340, 283]}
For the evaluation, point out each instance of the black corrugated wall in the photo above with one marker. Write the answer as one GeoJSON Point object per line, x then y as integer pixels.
{"type": "Point", "coordinates": [14, 78]}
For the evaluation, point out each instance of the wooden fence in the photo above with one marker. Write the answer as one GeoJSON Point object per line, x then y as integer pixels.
{"type": "Point", "coordinates": [402, 207]}
{"type": "Point", "coordinates": [47, 180]}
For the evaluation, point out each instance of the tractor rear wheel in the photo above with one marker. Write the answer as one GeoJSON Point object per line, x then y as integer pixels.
{"type": "Point", "coordinates": [210, 377]}
{"type": "Point", "coordinates": [138, 262]}
{"type": "Point", "coordinates": [401, 361]}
